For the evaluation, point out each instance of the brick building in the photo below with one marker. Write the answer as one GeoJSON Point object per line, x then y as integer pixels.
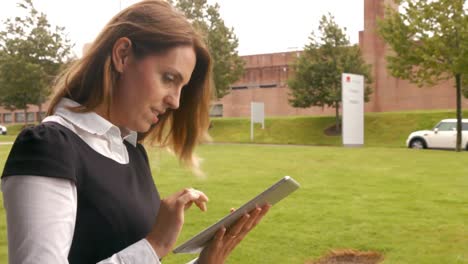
{"type": "Point", "coordinates": [266, 75]}
{"type": "Point", "coordinates": [265, 80]}
{"type": "Point", "coordinates": [32, 115]}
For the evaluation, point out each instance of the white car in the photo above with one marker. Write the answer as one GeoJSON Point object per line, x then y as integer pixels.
{"type": "Point", "coordinates": [442, 136]}
{"type": "Point", "coordinates": [3, 130]}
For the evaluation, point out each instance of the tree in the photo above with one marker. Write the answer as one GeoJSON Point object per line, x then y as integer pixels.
{"type": "Point", "coordinates": [429, 41]}
{"type": "Point", "coordinates": [221, 41]}
{"type": "Point", "coordinates": [317, 81]}
{"type": "Point", "coordinates": [31, 54]}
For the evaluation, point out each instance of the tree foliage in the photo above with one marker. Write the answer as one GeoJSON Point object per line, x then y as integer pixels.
{"type": "Point", "coordinates": [429, 41]}
{"type": "Point", "coordinates": [317, 79]}
{"type": "Point", "coordinates": [222, 42]}
{"type": "Point", "coordinates": [31, 53]}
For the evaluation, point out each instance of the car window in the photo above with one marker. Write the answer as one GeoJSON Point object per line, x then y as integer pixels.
{"type": "Point", "coordinates": [465, 126]}
{"type": "Point", "coordinates": [446, 126]}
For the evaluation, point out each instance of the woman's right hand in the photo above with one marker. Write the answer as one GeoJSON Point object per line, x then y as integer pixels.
{"type": "Point", "coordinates": [224, 241]}
{"type": "Point", "coordinates": [170, 219]}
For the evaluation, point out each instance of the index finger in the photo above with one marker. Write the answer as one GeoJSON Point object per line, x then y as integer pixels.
{"type": "Point", "coordinates": [193, 196]}
{"type": "Point", "coordinates": [201, 201]}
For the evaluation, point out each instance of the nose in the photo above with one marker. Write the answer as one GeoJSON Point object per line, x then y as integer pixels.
{"type": "Point", "coordinates": [173, 98]}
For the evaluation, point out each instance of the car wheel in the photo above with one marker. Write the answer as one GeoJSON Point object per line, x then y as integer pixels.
{"type": "Point", "coordinates": [417, 144]}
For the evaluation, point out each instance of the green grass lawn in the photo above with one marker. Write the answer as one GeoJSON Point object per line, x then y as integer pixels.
{"type": "Point", "coordinates": [380, 129]}
{"type": "Point", "coordinates": [412, 206]}
{"type": "Point", "coordinates": [409, 205]}
{"type": "Point", "coordinates": [388, 129]}
{"type": "Point", "coordinates": [13, 131]}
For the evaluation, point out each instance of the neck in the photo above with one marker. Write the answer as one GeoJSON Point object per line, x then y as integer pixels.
{"type": "Point", "coordinates": [105, 113]}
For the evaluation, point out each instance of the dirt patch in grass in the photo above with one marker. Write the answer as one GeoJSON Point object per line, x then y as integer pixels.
{"type": "Point", "coordinates": [349, 256]}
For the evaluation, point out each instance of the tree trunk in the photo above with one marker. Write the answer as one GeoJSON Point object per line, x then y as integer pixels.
{"type": "Point", "coordinates": [337, 117]}
{"type": "Point", "coordinates": [459, 113]}
{"type": "Point", "coordinates": [25, 117]}
{"type": "Point", "coordinates": [39, 117]}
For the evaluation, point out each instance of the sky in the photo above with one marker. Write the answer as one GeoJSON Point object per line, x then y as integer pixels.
{"type": "Point", "coordinates": [262, 26]}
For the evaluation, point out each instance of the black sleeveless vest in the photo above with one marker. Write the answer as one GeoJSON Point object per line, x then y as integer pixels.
{"type": "Point", "coordinates": [117, 203]}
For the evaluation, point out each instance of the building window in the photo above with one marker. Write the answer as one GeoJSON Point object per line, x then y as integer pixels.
{"type": "Point", "coordinates": [239, 87]}
{"type": "Point", "coordinates": [216, 110]}
{"type": "Point", "coordinates": [30, 117]}
{"type": "Point", "coordinates": [7, 118]}
{"type": "Point", "coordinates": [269, 85]}
{"type": "Point", "coordinates": [19, 117]}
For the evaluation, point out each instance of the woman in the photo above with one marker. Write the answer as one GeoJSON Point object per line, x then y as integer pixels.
{"type": "Point", "coordinates": [78, 188]}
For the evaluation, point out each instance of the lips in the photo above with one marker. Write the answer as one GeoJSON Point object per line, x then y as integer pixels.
{"type": "Point", "coordinates": [154, 118]}
{"type": "Point", "coordinates": [156, 113]}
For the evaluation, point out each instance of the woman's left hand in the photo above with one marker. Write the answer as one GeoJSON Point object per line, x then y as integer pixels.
{"type": "Point", "coordinates": [226, 240]}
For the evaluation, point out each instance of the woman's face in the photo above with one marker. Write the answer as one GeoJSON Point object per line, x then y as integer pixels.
{"type": "Point", "coordinates": [148, 86]}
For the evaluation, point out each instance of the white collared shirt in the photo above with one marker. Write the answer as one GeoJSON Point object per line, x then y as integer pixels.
{"type": "Point", "coordinates": [96, 131]}
{"type": "Point", "coordinates": [44, 209]}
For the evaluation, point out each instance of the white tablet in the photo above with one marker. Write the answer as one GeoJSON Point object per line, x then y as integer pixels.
{"type": "Point", "coordinates": [272, 195]}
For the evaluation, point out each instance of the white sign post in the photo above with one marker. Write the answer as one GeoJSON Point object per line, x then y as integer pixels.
{"type": "Point", "coordinates": [353, 109]}
{"type": "Point", "coordinates": [257, 113]}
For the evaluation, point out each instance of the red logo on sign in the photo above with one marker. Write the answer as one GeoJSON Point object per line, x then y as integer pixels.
{"type": "Point", "coordinates": [348, 78]}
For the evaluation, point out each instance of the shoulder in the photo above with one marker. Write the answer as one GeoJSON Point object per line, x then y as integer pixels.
{"type": "Point", "coordinates": [45, 150]}
{"type": "Point", "coordinates": [48, 138]}
{"type": "Point", "coordinates": [47, 132]}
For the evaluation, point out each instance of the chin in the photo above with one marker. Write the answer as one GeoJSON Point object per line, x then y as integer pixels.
{"type": "Point", "coordinates": [140, 127]}
{"type": "Point", "coordinates": [143, 129]}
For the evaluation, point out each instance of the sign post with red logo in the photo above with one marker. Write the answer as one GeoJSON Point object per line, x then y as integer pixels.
{"type": "Point", "coordinates": [352, 101]}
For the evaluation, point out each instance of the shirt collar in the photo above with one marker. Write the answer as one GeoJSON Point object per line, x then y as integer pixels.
{"type": "Point", "coordinates": [131, 136]}
{"type": "Point", "coordinates": [92, 122]}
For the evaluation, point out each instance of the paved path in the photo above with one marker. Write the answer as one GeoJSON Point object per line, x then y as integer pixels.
{"type": "Point", "coordinates": [6, 143]}
{"type": "Point", "coordinates": [266, 144]}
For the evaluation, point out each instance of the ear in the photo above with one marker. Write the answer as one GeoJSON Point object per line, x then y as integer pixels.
{"type": "Point", "coordinates": [121, 51]}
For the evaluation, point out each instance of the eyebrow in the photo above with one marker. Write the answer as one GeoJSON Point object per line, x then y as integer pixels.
{"type": "Point", "coordinates": [178, 76]}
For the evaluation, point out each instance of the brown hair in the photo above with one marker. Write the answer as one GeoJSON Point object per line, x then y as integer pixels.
{"type": "Point", "coordinates": [154, 27]}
